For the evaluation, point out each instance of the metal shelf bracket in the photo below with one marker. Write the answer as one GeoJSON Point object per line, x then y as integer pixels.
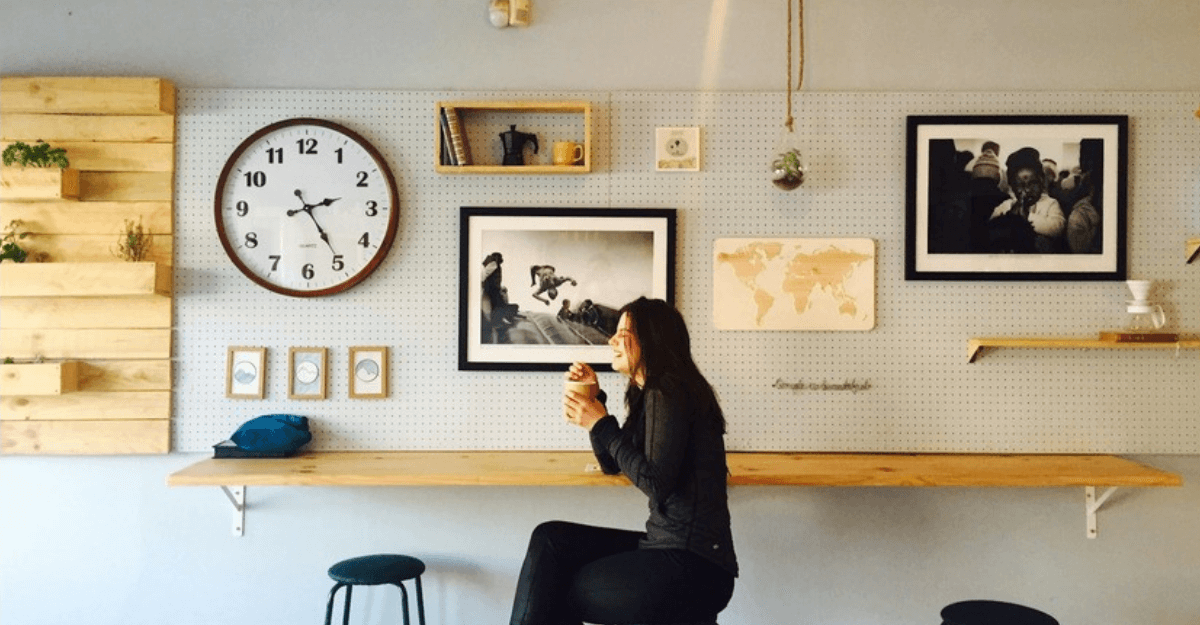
{"type": "Point", "coordinates": [1092, 503]}
{"type": "Point", "coordinates": [237, 497]}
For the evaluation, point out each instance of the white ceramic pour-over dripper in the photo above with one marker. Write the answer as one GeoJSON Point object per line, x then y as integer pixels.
{"type": "Point", "coordinates": [1140, 289]}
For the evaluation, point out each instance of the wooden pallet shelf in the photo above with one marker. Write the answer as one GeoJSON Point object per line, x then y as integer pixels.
{"type": "Point", "coordinates": [84, 305]}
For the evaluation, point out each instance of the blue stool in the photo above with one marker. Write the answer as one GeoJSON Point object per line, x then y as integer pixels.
{"type": "Point", "coordinates": [993, 613]}
{"type": "Point", "coordinates": [373, 571]}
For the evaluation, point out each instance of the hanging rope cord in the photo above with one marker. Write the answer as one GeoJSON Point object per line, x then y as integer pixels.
{"type": "Point", "coordinates": [800, 76]}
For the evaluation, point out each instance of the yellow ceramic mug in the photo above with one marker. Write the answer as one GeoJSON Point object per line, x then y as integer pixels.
{"type": "Point", "coordinates": [567, 153]}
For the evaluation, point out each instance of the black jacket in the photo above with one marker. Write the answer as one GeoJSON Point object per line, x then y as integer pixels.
{"type": "Point", "coordinates": [673, 450]}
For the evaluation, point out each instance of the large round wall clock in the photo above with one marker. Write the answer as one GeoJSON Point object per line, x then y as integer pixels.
{"type": "Point", "coordinates": [306, 207]}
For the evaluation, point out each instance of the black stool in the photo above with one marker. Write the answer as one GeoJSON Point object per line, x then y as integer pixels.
{"type": "Point", "coordinates": [372, 571]}
{"type": "Point", "coordinates": [993, 613]}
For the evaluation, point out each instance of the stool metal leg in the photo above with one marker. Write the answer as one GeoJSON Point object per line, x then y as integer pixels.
{"type": "Point", "coordinates": [329, 606]}
{"type": "Point", "coordinates": [403, 601]}
{"type": "Point", "coordinates": [346, 611]}
{"type": "Point", "coordinates": [420, 603]}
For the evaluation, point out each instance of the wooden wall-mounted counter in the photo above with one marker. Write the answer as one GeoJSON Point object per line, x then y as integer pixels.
{"type": "Point", "coordinates": [569, 468]}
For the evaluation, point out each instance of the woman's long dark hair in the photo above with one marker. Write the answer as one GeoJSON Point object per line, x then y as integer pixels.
{"type": "Point", "coordinates": [666, 356]}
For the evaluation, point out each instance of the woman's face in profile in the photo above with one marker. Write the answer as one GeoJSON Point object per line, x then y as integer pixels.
{"type": "Point", "coordinates": [627, 352]}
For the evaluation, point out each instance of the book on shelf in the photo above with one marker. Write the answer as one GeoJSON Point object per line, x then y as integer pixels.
{"type": "Point", "coordinates": [458, 137]}
{"type": "Point", "coordinates": [447, 150]}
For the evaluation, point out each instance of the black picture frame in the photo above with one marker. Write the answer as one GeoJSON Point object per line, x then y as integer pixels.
{"type": "Point", "coordinates": [512, 314]}
{"type": "Point", "coordinates": [963, 221]}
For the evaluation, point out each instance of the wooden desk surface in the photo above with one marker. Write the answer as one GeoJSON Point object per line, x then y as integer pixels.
{"type": "Point", "coordinates": [546, 468]}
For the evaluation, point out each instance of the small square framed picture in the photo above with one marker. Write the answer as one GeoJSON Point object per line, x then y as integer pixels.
{"type": "Point", "coordinates": [677, 149]}
{"type": "Point", "coordinates": [245, 372]}
{"type": "Point", "coordinates": [307, 375]}
{"type": "Point", "coordinates": [368, 372]}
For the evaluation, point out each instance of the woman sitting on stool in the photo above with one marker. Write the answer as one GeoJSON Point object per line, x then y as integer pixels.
{"type": "Point", "coordinates": [671, 446]}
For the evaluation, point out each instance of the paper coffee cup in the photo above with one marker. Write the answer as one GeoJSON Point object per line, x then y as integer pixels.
{"type": "Point", "coordinates": [583, 388]}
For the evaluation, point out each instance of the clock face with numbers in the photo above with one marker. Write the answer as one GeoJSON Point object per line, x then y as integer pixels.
{"type": "Point", "coordinates": [306, 207]}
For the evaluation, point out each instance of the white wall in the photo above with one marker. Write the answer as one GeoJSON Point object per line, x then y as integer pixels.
{"type": "Point", "coordinates": [102, 540]}
{"type": "Point", "coordinates": [850, 45]}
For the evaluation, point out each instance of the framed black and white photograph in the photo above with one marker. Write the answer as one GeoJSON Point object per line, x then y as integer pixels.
{"type": "Point", "coordinates": [307, 375]}
{"type": "Point", "coordinates": [1016, 197]}
{"type": "Point", "coordinates": [245, 372]}
{"type": "Point", "coordinates": [677, 149]}
{"type": "Point", "coordinates": [369, 372]}
{"type": "Point", "coordinates": [541, 288]}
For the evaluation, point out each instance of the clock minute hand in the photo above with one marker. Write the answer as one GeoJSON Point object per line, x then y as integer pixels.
{"type": "Point", "coordinates": [308, 209]}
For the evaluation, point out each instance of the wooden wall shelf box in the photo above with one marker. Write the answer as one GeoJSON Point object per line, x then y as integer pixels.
{"type": "Point", "coordinates": [41, 378]}
{"type": "Point", "coordinates": [469, 109]}
{"type": "Point", "coordinates": [111, 319]}
{"type": "Point", "coordinates": [976, 346]}
{"type": "Point", "coordinates": [114, 279]}
{"type": "Point", "coordinates": [504, 468]}
{"type": "Point", "coordinates": [38, 183]}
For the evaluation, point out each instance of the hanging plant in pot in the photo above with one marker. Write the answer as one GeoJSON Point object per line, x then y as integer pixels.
{"type": "Point", "coordinates": [787, 163]}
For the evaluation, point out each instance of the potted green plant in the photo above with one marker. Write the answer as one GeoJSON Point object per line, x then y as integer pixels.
{"type": "Point", "coordinates": [37, 172]}
{"type": "Point", "coordinates": [41, 154]}
{"type": "Point", "coordinates": [11, 249]}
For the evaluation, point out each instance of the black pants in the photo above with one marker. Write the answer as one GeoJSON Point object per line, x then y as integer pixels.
{"type": "Point", "coordinates": [579, 573]}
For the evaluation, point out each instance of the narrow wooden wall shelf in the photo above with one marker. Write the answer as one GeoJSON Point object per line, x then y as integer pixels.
{"type": "Point", "coordinates": [500, 468]}
{"type": "Point", "coordinates": [1192, 249]}
{"type": "Point", "coordinates": [976, 346]}
{"type": "Point", "coordinates": [481, 163]}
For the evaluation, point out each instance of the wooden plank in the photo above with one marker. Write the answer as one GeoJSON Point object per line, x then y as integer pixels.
{"type": "Point", "coordinates": [125, 186]}
{"type": "Point", "coordinates": [87, 95]}
{"type": "Point", "coordinates": [29, 127]}
{"type": "Point", "coordinates": [93, 249]}
{"type": "Point", "coordinates": [83, 279]}
{"type": "Point", "coordinates": [109, 156]}
{"type": "Point", "coordinates": [145, 311]}
{"type": "Point", "coordinates": [43, 378]}
{"type": "Point", "coordinates": [416, 468]}
{"type": "Point", "coordinates": [975, 346]}
{"type": "Point", "coordinates": [840, 469]}
{"type": "Point", "coordinates": [39, 183]}
{"type": "Point", "coordinates": [99, 218]}
{"type": "Point", "coordinates": [85, 437]}
{"type": "Point", "coordinates": [124, 375]}
{"type": "Point", "coordinates": [86, 344]}
{"type": "Point", "coordinates": [87, 406]}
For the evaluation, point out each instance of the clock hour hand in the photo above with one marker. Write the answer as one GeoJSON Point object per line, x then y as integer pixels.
{"type": "Point", "coordinates": [307, 208]}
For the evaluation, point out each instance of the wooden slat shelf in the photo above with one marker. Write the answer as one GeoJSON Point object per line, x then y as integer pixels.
{"type": "Point", "coordinates": [84, 279]}
{"type": "Point", "coordinates": [975, 346]}
{"type": "Point", "coordinates": [506, 468]}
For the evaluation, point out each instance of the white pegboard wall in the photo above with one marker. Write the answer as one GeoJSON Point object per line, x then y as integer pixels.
{"type": "Point", "coordinates": [923, 395]}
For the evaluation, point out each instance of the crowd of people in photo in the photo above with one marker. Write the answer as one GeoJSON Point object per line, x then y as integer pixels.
{"type": "Point", "coordinates": [1023, 204]}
